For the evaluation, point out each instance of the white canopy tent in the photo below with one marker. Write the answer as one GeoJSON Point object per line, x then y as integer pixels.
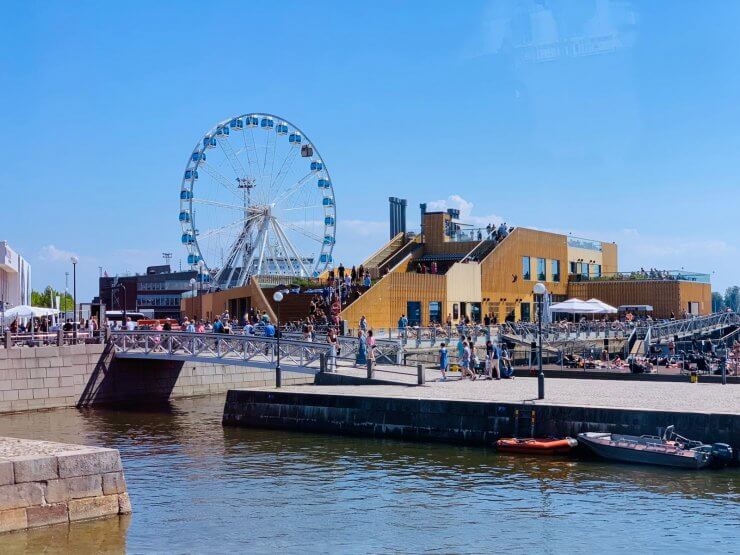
{"type": "Point", "coordinates": [602, 307]}
{"type": "Point", "coordinates": [27, 311]}
{"type": "Point", "coordinates": [573, 306]}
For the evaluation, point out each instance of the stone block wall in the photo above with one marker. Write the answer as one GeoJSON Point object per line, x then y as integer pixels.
{"type": "Point", "coordinates": [472, 422]}
{"type": "Point", "coordinates": [44, 483]}
{"type": "Point", "coordinates": [84, 375]}
{"type": "Point", "coordinates": [45, 377]}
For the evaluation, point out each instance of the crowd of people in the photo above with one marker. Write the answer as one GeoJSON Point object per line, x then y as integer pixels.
{"type": "Point", "coordinates": [47, 324]}
{"type": "Point", "coordinates": [493, 364]}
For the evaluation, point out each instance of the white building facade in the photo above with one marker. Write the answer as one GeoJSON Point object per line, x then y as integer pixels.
{"type": "Point", "coordinates": [15, 278]}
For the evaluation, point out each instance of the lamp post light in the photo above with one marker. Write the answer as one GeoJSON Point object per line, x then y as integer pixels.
{"type": "Point", "coordinates": [278, 297]}
{"type": "Point", "coordinates": [540, 291]}
{"type": "Point", "coordinates": [192, 297]}
{"type": "Point", "coordinates": [74, 261]}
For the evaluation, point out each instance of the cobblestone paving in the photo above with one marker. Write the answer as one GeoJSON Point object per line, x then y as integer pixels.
{"type": "Point", "coordinates": [669, 396]}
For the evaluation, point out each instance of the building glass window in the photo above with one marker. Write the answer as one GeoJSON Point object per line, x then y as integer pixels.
{"type": "Point", "coordinates": [526, 312]}
{"type": "Point", "coordinates": [573, 268]}
{"type": "Point", "coordinates": [435, 312]}
{"type": "Point", "coordinates": [526, 268]}
{"type": "Point", "coordinates": [541, 270]}
{"type": "Point", "coordinates": [584, 270]}
{"type": "Point", "coordinates": [555, 269]}
{"type": "Point", "coordinates": [596, 270]}
{"type": "Point", "coordinates": [455, 311]}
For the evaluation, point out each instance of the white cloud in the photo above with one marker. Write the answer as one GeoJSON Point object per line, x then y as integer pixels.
{"type": "Point", "coordinates": [362, 228]}
{"type": "Point", "coordinates": [466, 209]}
{"type": "Point", "coordinates": [50, 253]}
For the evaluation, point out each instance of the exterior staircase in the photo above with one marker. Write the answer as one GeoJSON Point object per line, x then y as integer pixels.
{"type": "Point", "coordinates": [293, 307]}
{"type": "Point", "coordinates": [379, 260]}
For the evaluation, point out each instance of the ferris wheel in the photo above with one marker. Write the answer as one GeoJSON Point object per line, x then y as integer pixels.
{"type": "Point", "coordinates": [256, 199]}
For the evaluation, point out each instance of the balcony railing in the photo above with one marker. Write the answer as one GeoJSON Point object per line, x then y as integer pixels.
{"type": "Point", "coordinates": [471, 235]}
{"type": "Point", "coordinates": [646, 275]}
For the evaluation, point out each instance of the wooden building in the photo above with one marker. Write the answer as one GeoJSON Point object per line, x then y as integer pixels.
{"type": "Point", "coordinates": [452, 270]}
{"type": "Point", "coordinates": [482, 272]}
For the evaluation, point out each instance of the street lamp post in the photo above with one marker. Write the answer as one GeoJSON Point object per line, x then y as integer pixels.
{"type": "Point", "coordinates": [192, 297]}
{"type": "Point", "coordinates": [123, 312]}
{"type": "Point", "coordinates": [278, 297]}
{"type": "Point", "coordinates": [540, 290]}
{"type": "Point", "coordinates": [74, 261]}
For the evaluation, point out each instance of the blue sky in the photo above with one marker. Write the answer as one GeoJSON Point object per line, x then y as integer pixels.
{"type": "Point", "coordinates": [611, 119]}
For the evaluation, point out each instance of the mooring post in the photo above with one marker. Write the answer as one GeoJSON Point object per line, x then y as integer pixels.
{"type": "Point", "coordinates": [369, 369]}
{"type": "Point", "coordinates": [60, 337]}
{"type": "Point", "coordinates": [8, 340]}
{"type": "Point", "coordinates": [322, 363]}
{"type": "Point", "coordinates": [420, 374]}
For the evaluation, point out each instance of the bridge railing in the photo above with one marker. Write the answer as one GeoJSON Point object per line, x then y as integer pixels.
{"type": "Point", "coordinates": [216, 347]}
{"type": "Point", "coordinates": [242, 349]}
{"type": "Point", "coordinates": [697, 324]}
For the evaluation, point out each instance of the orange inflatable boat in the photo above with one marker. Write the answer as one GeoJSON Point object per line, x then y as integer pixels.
{"type": "Point", "coordinates": [536, 445]}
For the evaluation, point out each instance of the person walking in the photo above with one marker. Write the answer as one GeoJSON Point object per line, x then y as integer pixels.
{"type": "Point", "coordinates": [331, 338]}
{"type": "Point", "coordinates": [505, 361]}
{"type": "Point", "coordinates": [371, 348]}
{"type": "Point", "coordinates": [444, 361]}
{"type": "Point", "coordinates": [361, 358]}
{"type": "Point", "coordinates": [466, 361]}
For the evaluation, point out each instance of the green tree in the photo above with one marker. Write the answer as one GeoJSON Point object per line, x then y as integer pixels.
{"type": "Point", "coordinates": [718, 302]}
{"type": "Point", "coordinates": [732, 298]}
{"type": "Point", "coordinates": [46, 298]}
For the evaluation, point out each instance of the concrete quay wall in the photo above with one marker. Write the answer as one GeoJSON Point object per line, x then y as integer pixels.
{"type": "Point", "coordinates": [44, 483]}
{"type": "Point", "coordinates": [84, 375]}
{"type": "Point", "coordinates": [471, 422]}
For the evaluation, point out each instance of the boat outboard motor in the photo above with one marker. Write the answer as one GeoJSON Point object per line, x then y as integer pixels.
{"type": "Point", "coordinates": [721, 454]}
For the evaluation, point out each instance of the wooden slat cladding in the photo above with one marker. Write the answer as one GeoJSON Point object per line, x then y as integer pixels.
{"type": "Point", "coordinates": [664, 296]}
{"type": "Point", "coordinates": [502, 282]}
{"type": "Point", "coordinates": [384, 303]}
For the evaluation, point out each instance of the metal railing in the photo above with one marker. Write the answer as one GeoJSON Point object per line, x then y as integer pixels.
{"type": "Point", "coordinates": [424, 336]}
{"type": "Point", "coordinates": [645, 275]}
{"type": "Point", "coordinates": [690, 326]}
{"type": "Point", "coordinates": [244, 349]}
{"type": "Point", "coordinates": [54, 338]}
{"type": "Point", "coordinates": [240, 350]}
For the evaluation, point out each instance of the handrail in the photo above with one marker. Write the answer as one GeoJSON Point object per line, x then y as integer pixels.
{"type": "Point", "coordinates": [239, 348]}
{"type": "Point", "coordinates": [697, 324]}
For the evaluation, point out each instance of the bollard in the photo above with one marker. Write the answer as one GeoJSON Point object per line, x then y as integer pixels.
{"type": "Point", "coordinates": [8, 340]}
{"type": "Point", "coordinates": [60, 337]}
{"type": "Point", "coordinates": [369, 369]}
{"type": "Point", "coordinates": [322, 363]}
{"type": "Point", "coordinates": [420, 374]}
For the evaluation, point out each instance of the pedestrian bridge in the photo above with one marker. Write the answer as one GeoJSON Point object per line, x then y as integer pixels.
{"type": "Point", "coordinates": [245, 350]}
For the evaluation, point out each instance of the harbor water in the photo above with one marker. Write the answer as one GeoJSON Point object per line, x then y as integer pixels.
{"type": "Point", "coordinates": [197, 487]}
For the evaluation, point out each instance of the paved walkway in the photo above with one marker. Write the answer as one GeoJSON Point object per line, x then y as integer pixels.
{"type": "Point", "coordinates": [683, 397]}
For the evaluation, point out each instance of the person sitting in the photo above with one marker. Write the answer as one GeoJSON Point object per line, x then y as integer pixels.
{"type": "Point", "coordinates": [570, 361]}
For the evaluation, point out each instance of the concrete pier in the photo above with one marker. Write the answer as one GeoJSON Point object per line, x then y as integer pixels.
{"type": "Point", "coordinates": [479, 413]}
{"type": "Point", "coordinates": [44, 483]}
